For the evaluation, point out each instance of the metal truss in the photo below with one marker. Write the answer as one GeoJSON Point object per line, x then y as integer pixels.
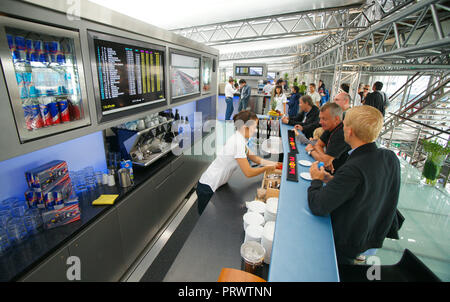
{"type": "Point", "coordinates": [293, 50]}
{"type": "Point", "coordinates": [403, 38]}
{"type": "Point", "coordinates": [298, 24]}
{"type": "Point", "coordinates": [430, 107]}
{"type": "Point", "coordinates": [370, 13]}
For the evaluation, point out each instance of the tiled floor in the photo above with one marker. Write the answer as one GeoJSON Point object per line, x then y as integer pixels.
{"type": "Point", "coordinates": [425, 231]}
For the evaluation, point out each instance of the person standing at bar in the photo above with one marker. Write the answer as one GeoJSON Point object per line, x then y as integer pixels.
{"type": "Point", "coordinates": [245, 95]}
{"type": "Point", "coordinates": [234, 155]}
{"type": "Point", "coordinates": [362, 196]}
{"type": "Point", "coordinates": [331, 144]}
{"type": "Point", "coordinates": [314, 94]}
{"type": "Point", "coordinates": [377, 98]}
{"type": "Point", "coordinates": [229, 94]}
{"type": "Point", "coordinates": [293, 102]}
{"type": "Point", "coordinates": [308, 118]}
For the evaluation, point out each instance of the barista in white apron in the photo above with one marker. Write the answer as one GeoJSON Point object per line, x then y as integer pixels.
{"type": "Point", "coordinates": [235, 154]}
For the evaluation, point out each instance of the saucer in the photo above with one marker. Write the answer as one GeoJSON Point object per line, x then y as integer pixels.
{"type": "Point", "coordinates": [305, 175]}
{"type": "Point", "coordinates": [305, 163]}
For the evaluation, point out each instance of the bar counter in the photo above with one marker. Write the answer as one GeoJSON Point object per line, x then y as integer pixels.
{"type": "Point", "coordinates": [303, 248]}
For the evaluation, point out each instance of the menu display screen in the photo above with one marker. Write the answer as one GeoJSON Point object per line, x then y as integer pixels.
{"type": "Point", "coordinates": [185, 75]}
{"type": "Point", "coordinates": [255, 71]}
{"type": "Point", "coordinates": [129, 76]}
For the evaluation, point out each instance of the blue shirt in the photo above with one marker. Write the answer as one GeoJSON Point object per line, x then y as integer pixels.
{"type": "Point", "coordinates": [293, 104]}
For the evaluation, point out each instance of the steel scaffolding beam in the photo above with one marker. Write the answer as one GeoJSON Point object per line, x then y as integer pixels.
{"type": "Point", "coordinates": [294, 50]}
{"type": "Point", "coordinates": [296, 24]}
{"type": "Point", "coordinates": [399, 39]}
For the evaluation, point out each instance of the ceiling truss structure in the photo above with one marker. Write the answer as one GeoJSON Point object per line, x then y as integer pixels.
{"type": "Point", "coordinates": [298, 24]}
{"type": "Point", "coordinates": [399, 39]}
{"type": "Point", "coordinates": [293, 50]}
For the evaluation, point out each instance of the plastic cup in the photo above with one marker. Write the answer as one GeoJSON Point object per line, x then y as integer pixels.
{"type": "Point", "coordinates": [253, 254]}
{"type": "Point", "coordinates": [4, 241]}
{"type": "Point", "coordinates": [111, 180]}
{"type": "Point", "coordinates": [105, 179]}
{"type": "Point", "coordinates": [16, 230]}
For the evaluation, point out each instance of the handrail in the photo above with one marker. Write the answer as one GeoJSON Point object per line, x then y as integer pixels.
{"type": "Point", "coordinates": [421, 124]}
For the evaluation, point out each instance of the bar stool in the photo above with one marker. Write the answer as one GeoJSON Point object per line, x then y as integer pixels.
{"type": "Point", "coordinates": [235, 275]}
{"type": "Point", "coordinates": [408, 269]}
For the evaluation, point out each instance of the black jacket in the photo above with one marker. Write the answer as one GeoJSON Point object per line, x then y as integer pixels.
{"type": "Point", "coordinates": [361, 199]}
{"type": "Point", "coordinates": [311, 122]}
{"type": "Point", "coordinates": [376, 99]}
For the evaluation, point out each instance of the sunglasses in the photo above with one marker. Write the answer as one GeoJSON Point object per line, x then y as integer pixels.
{"type": "Point", "coordinates": [366, 88]}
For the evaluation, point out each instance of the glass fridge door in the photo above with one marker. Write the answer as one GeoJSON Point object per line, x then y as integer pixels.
{"type": "Point", "coordinates": [44, 75]}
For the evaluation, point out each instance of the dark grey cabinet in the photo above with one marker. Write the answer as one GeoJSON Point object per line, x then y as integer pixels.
{"type": "Point", "coordinates": [99, 249]}
{"type": "Point", "coordinates": [139, 217]}
{"type": "Point", "coordinates": [52, 269]}
{"type": "Point", "coordinates": [109, 246]}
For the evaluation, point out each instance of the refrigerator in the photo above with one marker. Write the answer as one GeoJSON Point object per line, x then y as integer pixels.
{"type": "Point", "coordinates": [44, 75]}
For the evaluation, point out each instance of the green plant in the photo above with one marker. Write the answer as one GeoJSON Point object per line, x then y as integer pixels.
{"type": "Point", "coordinates": [436, 156]}
{"type": "Point", "coordinates": [434, 148]}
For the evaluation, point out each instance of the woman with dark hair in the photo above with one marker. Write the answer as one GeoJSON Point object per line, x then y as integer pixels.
{"type": "Point", "coordinates": [234, 154]}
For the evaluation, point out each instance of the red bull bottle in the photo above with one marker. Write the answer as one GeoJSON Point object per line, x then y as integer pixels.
{"type": "Point", "coordinates": [64, 110]}
{"type": "Point", "coordinates": [54, 112]}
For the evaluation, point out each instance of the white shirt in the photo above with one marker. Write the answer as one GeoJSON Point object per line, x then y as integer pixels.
{"type": "Point", "coordinates": [229, 91]}
{"type": "Point", "coordinates": [357, 100]}
{"type": "Point", "coordinates": [267, 89]}
{"type": "Point", "coordinates": [280, 99]}
{"type": "Point", "coordinates": [315, 97]}
{"type": "Point", "coordinates": [221, 169]}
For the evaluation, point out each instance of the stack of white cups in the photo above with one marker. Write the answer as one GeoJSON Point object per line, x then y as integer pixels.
{"type": "Point", "coordinates": [270, 214]}
{"type": "Point", "coordinates": [267, 240]}
{"type": "Point", "coordinates": [254, 221]}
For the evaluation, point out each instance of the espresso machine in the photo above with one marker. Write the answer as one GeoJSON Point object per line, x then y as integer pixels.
{"type": "Point", "coordinates": [147, 139]}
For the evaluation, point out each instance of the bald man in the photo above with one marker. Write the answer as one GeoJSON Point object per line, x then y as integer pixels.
{"type": "Point", "coordinates": [343, 100]}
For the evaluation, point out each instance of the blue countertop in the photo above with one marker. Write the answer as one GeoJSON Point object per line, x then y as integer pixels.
{"type": "Point", "coordinates": [303, 248]}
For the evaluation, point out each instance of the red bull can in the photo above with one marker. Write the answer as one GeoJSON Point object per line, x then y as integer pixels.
{"type": "Point", "coordinates": [54, 112]}
{"type": "Point", "coordinates": [28, 119]}
{"type": "Point", "coordinates": [40, 199]}
{"type": "Point", "coordinates": [64, 110]}
{"type": "Point", "coordinates": [49, 201]}
{"type": "Point", "coordinates": [31, 198]}
{"type": "Point", "coordinates": [58, 199]}
{"type": "Point", "coordinates": [46, 117]}
{"type": "Point", "coordinates": [36, 119]}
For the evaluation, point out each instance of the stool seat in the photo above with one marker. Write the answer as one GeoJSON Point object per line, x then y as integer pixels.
{"type": "Point", "coordinates": [235, 275]}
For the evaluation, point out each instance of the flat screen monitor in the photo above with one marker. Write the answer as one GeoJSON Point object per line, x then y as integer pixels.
{"type": "Point", "coordinates": [252, 71]}
{"type": "Point", "coordinates": [256, 71]}
{"type": "Point", "coordinates": [271, 76]}
{"type": "Point", "coordinates": [129, 76]}
{"type": "Point", "coordinates": [185, 75]}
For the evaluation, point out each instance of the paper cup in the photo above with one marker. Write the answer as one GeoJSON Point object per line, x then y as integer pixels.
{"type": "Point", "coordinates": [251, 218]}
